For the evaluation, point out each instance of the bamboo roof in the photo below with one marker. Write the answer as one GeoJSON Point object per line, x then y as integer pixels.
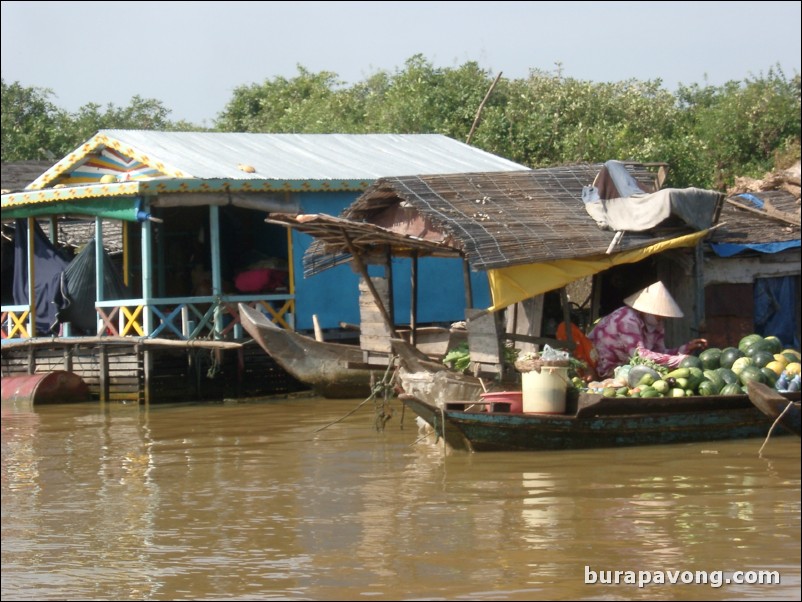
{"type": "Point", "coordinates": [494, 219]}
{"type": "Point", "coordinates": [759, 217]}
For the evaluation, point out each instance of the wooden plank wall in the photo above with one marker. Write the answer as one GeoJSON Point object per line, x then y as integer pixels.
{"type": "Point", "coordinates": [374, 334]}
{"type": "Point", "coordinates": [484, 340]}
{"type": "Point", "coordinates": [175, 374]}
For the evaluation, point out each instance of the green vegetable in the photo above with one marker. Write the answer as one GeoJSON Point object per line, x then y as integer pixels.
{"type": "Point", "coordinates": [459, 358]}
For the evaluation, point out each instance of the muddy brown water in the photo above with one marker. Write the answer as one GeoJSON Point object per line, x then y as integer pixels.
{"type": "Point", "coordinates": [246, 501]}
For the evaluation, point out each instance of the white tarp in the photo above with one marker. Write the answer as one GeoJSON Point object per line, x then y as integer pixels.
{"type": "Point", "coordinates": [636, 210]}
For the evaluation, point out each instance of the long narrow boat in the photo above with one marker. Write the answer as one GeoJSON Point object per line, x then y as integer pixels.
{"type": "Point", "coordinates": [330, 369]}
{"type": "Point", "coordinates": [593, 421]}
{"type": "Point", "coordinates": [774, 405]}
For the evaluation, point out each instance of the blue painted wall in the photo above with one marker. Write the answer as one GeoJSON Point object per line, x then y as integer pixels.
{"type": "Point", "coordinates": [334, 294]}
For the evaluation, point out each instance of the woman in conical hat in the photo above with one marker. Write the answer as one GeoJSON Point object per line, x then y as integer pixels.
{"type": "Point", "coordinates": [638, 327]}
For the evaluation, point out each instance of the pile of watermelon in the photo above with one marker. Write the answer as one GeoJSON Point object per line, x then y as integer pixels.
{"type": "Point", "coordinates": [756, 358]}
{"type": "Point", "coordinates": [715, 372]}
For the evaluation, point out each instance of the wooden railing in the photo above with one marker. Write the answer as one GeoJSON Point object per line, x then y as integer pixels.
{"type": "Point", "coordinates": [15, 322]}
{"type": "Point", "coordinates": [182, 318]}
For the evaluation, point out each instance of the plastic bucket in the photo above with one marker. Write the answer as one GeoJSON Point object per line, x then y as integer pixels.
{"type": "Point", "coordinates": [505, 401]}
{"type": "Point", "coordinates": [544, 391]}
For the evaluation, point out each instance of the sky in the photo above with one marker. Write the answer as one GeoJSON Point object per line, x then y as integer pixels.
{"type": "Point", "coordinates": [191, 56]}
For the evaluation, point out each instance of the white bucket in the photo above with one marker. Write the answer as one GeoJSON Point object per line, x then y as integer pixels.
{"type": "Point", "coordinates": [544, 391]}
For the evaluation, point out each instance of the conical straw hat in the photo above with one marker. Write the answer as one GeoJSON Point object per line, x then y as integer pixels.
{"type": "Point", "coordinates": [656, 300]}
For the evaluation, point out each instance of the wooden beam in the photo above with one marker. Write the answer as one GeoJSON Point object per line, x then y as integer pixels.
{"type": "Point", "coordinates": [360, 266]}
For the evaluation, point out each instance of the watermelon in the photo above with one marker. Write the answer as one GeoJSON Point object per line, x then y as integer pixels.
{"type": "Point", "coordinates": [758, 346]}
{"type": "Point", "coordinates": [748, 341]}
{"type": "Point", "coordinates": [732, 389]}
{"type": "Point", "coordinates": [729, 355]}
{"type": "Point", "coordinates": [773, 344]}
{"type": "Point", "coordinates": [751, 373]}
{"type": "Point", "coordinates": [741, 363]}
{"type": "Point", "coordinates": [714, 377]}
{"type": "Point", "coordinates": [728, 376]}
{"type": "Point", "coordinates": [711, 358]}
{"type": "Point", "coordinates": [708, 388]}
{"type": "Point", "coordinates": [638, 372]}
{"type": "Point", "coordinates": [762, 358]}
{"type": "Point", "coordinates": [769, 376]}
{"type": "Point", "coordinates": [690, 361]}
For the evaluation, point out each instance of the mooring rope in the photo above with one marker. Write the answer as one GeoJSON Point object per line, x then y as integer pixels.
{"type": "Point", "coordinates": [383, 386]}
{"type": "Point", "coordinates": [788, 407]}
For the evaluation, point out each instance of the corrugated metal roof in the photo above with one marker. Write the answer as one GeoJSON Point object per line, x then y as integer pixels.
{"type": "Point", "coordinates": [318, 157]}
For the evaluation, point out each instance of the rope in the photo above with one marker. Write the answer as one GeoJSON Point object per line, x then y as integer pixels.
{"type": "Point", "coordinates": [788, 407]}
{"type": "Point", "coordinates": [375, 390]}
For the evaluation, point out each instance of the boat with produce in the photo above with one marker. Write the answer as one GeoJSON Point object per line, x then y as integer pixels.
{"type": "Point", "coordinates": [595, 421]}
{"type": "Point", "coordinates": [704, 399]}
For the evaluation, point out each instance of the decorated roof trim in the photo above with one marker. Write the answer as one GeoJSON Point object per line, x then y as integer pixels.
{"type": "Point", "coordinates": [178, 186]}
{"type": "Point", "coordinates": [97, 143]}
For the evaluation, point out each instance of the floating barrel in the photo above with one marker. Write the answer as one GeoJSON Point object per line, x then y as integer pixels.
{"type": "Point", "coordinates": [57, 386]}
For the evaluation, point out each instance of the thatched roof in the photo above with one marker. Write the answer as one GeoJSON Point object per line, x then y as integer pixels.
{"type": "Point", "coordinates": [17, 175]}
{"type": "Point", "coordinates": [494, 219]}
{"type": "Point", "coordinates": [759, 217]}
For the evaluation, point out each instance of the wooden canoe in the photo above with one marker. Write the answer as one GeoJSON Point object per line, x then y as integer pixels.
{"type": "Point", "coordinates": [327, 368]}
{"type": "Point", "coordinates": [773, 404]}
{"type": "Point", "coordinates": [593, 421]}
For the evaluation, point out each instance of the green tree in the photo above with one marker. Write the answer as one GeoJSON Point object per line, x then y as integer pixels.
{"type": "Point", "coordinates": [31, 123]}
{"type": "Point", "coordinates": [743, 124]}
{"type": "Point", "coordinates": [34, 128]}
{"type": "Point", "coordinates": [307, 103]}
{"type": "Point", "coordinates": [140, 114]}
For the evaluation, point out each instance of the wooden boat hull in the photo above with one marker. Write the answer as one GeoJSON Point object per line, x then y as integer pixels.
{"type": "Point", "coordinates": [327, 368]}
{"type": "Point", "coordinates": [432, 381]}
{"type": "Point", "coordinates": [774, 405]}
{"type": "Point", "coordinates": [56, 386]}
{"type": "Point", "coordinates": [598, 422]}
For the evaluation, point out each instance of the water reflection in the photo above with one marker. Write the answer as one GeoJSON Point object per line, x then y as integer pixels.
{"type": "Point", "coordinates": [247, 501]}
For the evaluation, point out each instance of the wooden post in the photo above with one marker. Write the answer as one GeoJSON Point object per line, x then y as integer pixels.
{"type": "Point", "coordinates": [217, 276]}
{"type": "Point", "coordinates": [699, 290]}
{"type": "Point", "coordinates": [147, 362]}
{"type": "Point", "coordinates": [68, 358]}
{"type": "Point", "coordinates": [99, 280]}
{"type": "Point", "coordinates": [413, 301]}
{"type": "Point", "coordinates": [316, 325]}
{"type": "Point", "coordinates": [360, 266]}
{"type": "Point", "coordinates": [466, 277]}
{"type": "Point", "coordinates": [567, 317]}
{"type": "Point", "coordinates": [147, 273]}
{"type": "Point", "coordinates": [31, 278]}
{"type": "Point", "coordinates": [103, 372]}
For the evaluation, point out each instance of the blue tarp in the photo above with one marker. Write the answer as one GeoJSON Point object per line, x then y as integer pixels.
{"type": "Point", "coordinates": [49, 263]}
{"type": "Point", "coordinates": [775, 309]}
{"type": "Point", "coordinates": [727, 249]}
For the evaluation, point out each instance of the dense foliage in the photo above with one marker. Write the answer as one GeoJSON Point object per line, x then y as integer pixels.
{"type": "Point", "coordinates": [707, 134]}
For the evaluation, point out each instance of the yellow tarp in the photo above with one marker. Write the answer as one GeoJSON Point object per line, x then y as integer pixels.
{"type": "Point", "coordinates": [516, 283]}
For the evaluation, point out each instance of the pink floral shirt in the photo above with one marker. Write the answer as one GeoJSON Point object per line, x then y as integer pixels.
{"type": "Point", "coordinates": [620, 334]}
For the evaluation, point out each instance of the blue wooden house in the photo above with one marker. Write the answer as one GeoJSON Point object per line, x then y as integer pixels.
{"type": "Point", "coordinates": [195, 243]}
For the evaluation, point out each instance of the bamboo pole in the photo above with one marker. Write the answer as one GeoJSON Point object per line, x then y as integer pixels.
{"type": "Point", "coordinates": [481, 106]}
